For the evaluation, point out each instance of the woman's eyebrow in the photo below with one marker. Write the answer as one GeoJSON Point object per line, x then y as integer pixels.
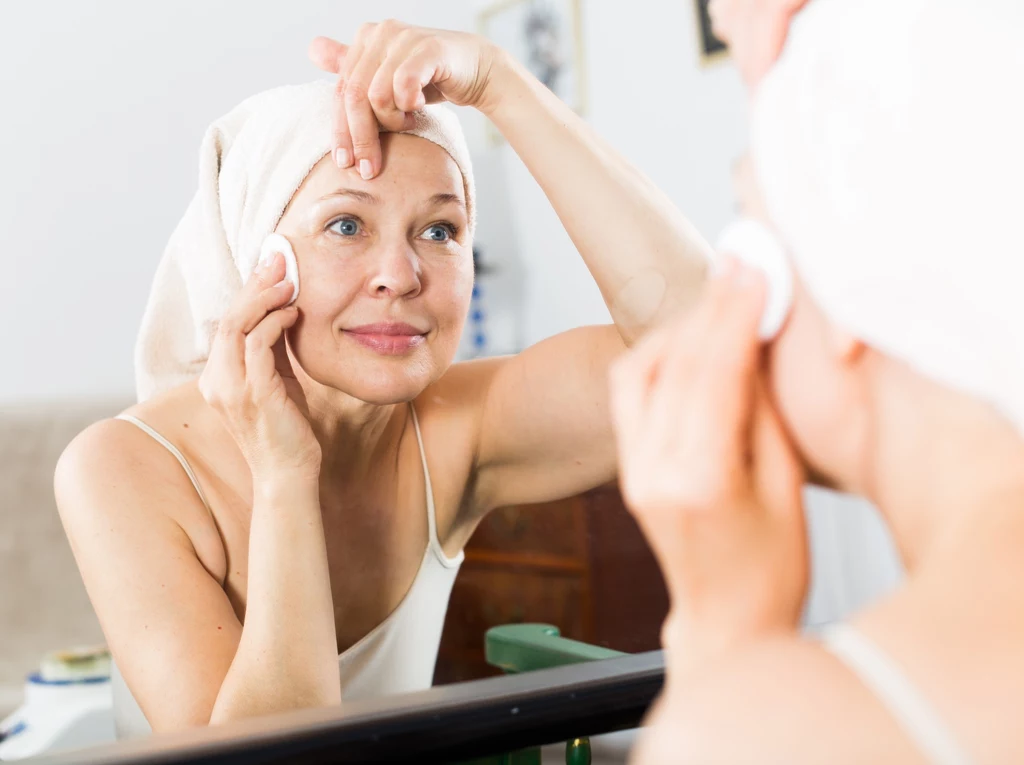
{"type": "Point", "coordinates": [446, 198]}
{"type": "Point", "coordinates": [437, 200]}
{"type": "Point", "coordinates": [362, 196]}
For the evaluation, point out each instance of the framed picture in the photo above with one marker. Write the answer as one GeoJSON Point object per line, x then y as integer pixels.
{"type": "Point", "coordinates": [547, 37]}
{"type": "Point", "coordinates": [711, 48]}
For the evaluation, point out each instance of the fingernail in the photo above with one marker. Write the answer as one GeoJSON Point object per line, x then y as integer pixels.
{"type": "Point", "coordinates": [267, 262]}
{"type": "Point", "coordinates": [365, 169]}
{"type": "Point", "coordinates": [341, 158]}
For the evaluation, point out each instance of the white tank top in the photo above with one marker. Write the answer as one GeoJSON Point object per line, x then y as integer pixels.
{"type": "Point", "coordinates": [396, 656]}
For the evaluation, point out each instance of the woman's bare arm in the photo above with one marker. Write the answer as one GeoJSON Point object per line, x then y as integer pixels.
{"type": "Point", "coordinates": [168, 622]}
{"type": "Point", "coordinates": [133, 519]}
{"type": "Point", "coordinates": [545, 430]}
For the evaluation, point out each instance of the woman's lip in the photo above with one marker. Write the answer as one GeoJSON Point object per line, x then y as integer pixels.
{"type": "Point", "coordinates": [395, 329]}
{"type": "Point", "coordinates": [386, 344]}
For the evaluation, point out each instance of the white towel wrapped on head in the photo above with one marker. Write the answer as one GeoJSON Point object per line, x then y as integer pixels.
{"type": "Point", "coordinates": [251, 162]}
{"type": "Point", "coordinates": [888, 141]}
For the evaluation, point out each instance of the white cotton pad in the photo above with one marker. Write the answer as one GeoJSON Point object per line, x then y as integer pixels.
{"type": "Point", "coordinates": [276, 243]}
{"type": "Point", "coordinates": [756, 245]}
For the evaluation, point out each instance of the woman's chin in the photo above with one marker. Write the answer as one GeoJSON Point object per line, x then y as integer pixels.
{"type": "Point", "coordinates": [385, 386]}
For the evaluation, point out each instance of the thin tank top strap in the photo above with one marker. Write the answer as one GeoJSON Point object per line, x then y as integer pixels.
{"type": "Point", "coordinates": [886, 680]}
{"type": "Point", "coordinates": [435, 543]}
{"type": "Point", "coordinates": [171, 448]}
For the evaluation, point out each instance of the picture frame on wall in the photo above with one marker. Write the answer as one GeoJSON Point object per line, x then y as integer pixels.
{"type": "Point", "coordinates": [546, 36]}
{"type": "Point", "coordinates": [710, 47]}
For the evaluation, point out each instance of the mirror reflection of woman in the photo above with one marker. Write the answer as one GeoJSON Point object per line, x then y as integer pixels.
{"type": "Point", "coordinates": [278, 522]}
{"type": "Point", "coordinates": [898, 375]}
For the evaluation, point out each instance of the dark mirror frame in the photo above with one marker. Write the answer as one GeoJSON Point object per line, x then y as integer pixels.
{"type": "Point", "coordinates": [443, 724]}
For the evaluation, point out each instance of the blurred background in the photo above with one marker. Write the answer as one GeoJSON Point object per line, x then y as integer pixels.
{"type": "Point", "coordinates": [104, 106]}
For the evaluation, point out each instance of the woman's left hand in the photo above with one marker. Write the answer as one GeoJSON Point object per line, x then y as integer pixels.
{"type": "Point", "coordinates": [706, 468]}
{"type": "Point", "coordinates": [392, 70]}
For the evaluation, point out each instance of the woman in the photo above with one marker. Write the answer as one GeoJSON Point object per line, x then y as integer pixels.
{"type": "Point", "coordinates": [890, 168]}
{"type": "Point", "coordinates": [278, 522]}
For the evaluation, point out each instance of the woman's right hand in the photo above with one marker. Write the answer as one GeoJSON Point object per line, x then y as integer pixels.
{"type": "Point", "coordinates": [707, 468]}
{"type": "Point", "coordinates": [391, 70]}
{"type": "Point", "coordinates": [248, 380]}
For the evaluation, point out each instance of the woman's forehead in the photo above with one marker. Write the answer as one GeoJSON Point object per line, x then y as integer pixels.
{"type": "Point", "coordinates": [413, 168]}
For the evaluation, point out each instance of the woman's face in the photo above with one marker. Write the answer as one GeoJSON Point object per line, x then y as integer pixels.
{"type": "Point", "coordinates": [385, 270]}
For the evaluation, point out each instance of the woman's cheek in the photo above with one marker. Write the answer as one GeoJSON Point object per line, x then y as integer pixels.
{"type": "Point", "coordinates": [807, 386]}
{"type": "Point", "coordinates": [799, 378]}
{"type": "Point", "coordinates": [327, 284]}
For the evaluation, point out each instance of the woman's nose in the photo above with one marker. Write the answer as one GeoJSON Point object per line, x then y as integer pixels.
{"type": "Point", "coordinates": [396, 273]}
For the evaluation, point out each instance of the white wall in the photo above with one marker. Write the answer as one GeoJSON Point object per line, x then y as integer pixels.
{"type": "Point", "coordinates": [103, 107]}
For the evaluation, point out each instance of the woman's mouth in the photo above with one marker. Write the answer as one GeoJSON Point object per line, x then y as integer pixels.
{"type": "Point", "coordinates": [388, 339]}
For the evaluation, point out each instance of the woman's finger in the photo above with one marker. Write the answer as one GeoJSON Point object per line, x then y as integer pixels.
{"type": "Point", "coordinates": [655, 345]}
{"type": "Point", "coordinates": [248, 306]}
{"type": "Point", "coordinates": [225, 369]}
{"type": "Point", "coordinates": [260, 362]}
{"type": "Point", "coordinates": [628, 403]}
{"type": "Point", "coordinates": [703, 395]}
{"type": "Point", "coordinates": [364, 132]}
{"type": "Point", "coordinates": [327, 54]}
{"type": "Point", "coordinates": [266, 291]}
{"type": "Point", "coordinates": [330, 55]}
{"type": "Point", "coordinates": [777, 472]}
{"type": "Point", "coordinates": [362, 122]}
{"type": "Point", "coordinates": [382, 94]}
{"type": "Point", "coordinates": [415, 75]}
{"type": "Point", "coordinates": [343, 154]}
{"type": "Point", "coordinates": [733, 350]}
{"type": "Point", "coordinates": [691, 343]}
{"type": "Point", "coordinates": [630, 379]}
{"type": "Point", "coordinates": [251, 307]}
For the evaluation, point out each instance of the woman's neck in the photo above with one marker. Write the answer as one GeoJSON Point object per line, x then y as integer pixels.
{"type": "Point", "coordinates": [354, 435]}
{"type": "Point", "coordinates": [943, 469]}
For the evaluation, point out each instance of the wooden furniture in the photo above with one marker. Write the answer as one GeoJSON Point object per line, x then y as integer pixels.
{"type": "Point", "coordinates": [580, 564]}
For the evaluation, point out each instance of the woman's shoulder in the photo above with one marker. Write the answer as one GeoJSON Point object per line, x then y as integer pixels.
{"type": "Point", "coordinates": [454, 400]}
{"type": "Point", "coordinates": [113, 447]}
{"type": "Point", "coordinates": [115, 471]}
{"type": "Point", "coordinates": [775, 692]}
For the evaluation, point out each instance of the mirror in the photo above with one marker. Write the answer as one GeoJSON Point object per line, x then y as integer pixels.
{"type": "Point", "coordinates": [107, 108]}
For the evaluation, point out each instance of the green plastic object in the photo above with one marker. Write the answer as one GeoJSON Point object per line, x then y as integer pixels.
{"type": "Point", "coordinates": [516, 648]}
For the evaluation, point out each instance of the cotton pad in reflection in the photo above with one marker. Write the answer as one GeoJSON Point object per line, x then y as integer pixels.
{"type": "Point", "coordinates": [756, 245]}
{"type": "Point", "coordinates": [277, 243]}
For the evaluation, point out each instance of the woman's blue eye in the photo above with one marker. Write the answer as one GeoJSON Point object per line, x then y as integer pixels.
{"type": "Point", "coordinates": [438, 233]}
{"type": "Point", "coordinates": [346, 226]}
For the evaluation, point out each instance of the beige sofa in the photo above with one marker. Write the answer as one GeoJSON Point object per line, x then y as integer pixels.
{"type": "Point", "coordinates": [43, 605]}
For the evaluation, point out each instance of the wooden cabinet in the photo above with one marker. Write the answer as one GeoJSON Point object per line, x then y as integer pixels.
{"type": "Point", "coordinates": [580, 563]}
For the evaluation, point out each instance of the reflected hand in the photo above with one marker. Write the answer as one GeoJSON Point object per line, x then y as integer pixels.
{"type": "Point", "coordinates": [392, 70]}
{"type": "Point", "coordinates": [754, 30]}
{"type": "Point", "coordinates": [706, 468]}
{"type": "Point", "coordinates": [249, 382]}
